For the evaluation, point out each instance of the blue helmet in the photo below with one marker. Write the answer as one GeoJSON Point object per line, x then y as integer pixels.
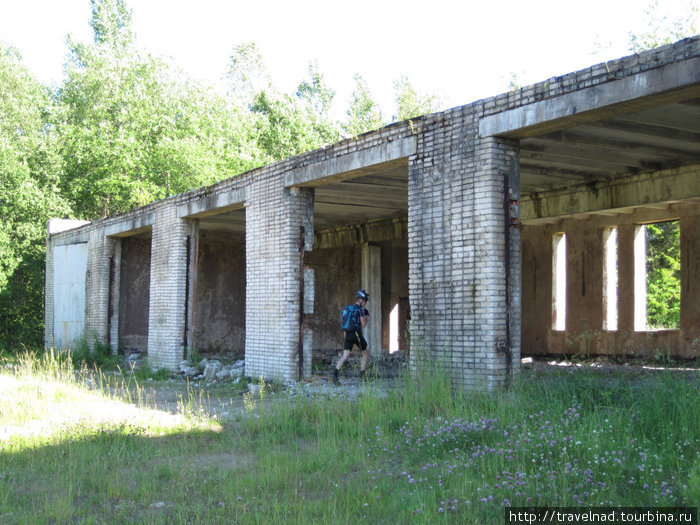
{"type": "Point", "coordinates": [361, 294]}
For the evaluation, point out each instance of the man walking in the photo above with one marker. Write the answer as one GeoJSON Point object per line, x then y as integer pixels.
{"type": "Point", "coordinates": [355, 318]}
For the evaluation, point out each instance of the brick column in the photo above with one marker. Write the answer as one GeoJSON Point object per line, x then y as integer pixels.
{"type": "Point", "coordinates": [49, 291]}
{"type": "Point", "coordinates": [464, 253]}
{"type": "Point", "coordinates": [690, 284]}
{"type": "Point", "coordinates": [97, 287]}
{"type": "Point", "coordinates": [372, 283]}
{"type": "Point", "coordinates": [499, 176]}
{"type": "Point", "coordinates": [171, 246]}
{"type": "Point", "coordinates": [115, 290]}
{"type": "Point", "coordinates": [279, 229]}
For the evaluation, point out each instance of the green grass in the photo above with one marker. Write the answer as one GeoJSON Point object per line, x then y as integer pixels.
{"type": "Point", "coordinates": [73, 452]}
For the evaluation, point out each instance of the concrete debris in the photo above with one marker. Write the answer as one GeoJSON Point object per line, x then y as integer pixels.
{"type": "Point", "coordinates": [212, 369]}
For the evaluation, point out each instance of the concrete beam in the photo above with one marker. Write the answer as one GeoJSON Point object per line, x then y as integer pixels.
{"type": "Point", "coordinates": [352, 165]}
{"type": "Point", "coordinates": [619, 194]}
{"type": "Point", "coordinates": [130, 225]}
{"type": "Point", "coordinates": [667, 84]}
{"type": "Point", "coordinates": [213, 204]}
{"type": "Point", "coordinates": [72, 237]}
{"type": "Point", "coordinates": [359, 234]}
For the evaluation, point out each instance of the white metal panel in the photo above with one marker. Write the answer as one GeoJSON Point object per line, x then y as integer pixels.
{"type": "Point", "coordinates": [69, 271]}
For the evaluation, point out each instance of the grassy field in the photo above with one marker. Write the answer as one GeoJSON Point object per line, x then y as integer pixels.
{"type": "Point", "coordinates": [84, 447]}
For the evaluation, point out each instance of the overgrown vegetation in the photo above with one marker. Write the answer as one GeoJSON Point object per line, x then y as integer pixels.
{"type": "Point", "coordinates": [416, 453]}
{"type": "Point", "coordinates": [663, 274]}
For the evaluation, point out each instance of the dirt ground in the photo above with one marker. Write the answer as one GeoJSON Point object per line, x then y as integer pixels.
{"type": "Point", "coordinates": [230, 399]}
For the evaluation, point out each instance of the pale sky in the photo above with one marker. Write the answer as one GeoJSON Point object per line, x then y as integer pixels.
{"type": "Point", "coordinates": [460, 50]}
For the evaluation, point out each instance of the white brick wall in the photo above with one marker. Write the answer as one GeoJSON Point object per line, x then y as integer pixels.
{"type": "Point", "coordinates": [462, 227]}
{"type": "Point", "coordinates": [457, 257]}
{"type": "Point", "coordinates": [166, 318]}
{"type": "Point", "coordinates": [274, 244]}
{"type": "Point", "coordinates": [97, 283]}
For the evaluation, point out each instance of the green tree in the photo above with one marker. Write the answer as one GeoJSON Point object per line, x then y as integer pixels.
{"type": "Point", "coordinates": [410, 103]}
{"type": "Point", "coordinates": [663, 274]}
{"type": "Point", "coordinates": [29, 174]}
{"type": "Point", "coordinates": [291, 124]}
{"type": "Point", "coordinates": [316, 93]}
{"type": "Point", "coordinates": [364, 113]}
{"type": "Point", "coordinates": [247, 74]}
{"type": "Point", "coordinates": [135, 130]}
{"type": "Point", "coordinates": [663, 30]}
{"type": "Point", "coordinates": [111, 24]}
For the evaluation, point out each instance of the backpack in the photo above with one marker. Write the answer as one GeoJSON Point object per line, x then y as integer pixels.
{"type": "Point", "coordinates": [350, 319]}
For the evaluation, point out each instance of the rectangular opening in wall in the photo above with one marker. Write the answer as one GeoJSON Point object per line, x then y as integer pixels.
{"type": "Point", "coordinates": [394, 329]}
{"type": "Point", "coordinates": [610, 279]}
{"type": "Point", "coordinates": [559, 281]}
{"type": "Point", "coordinates": [657, 277]}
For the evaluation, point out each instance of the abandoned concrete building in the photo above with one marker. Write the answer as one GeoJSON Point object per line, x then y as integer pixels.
{"type": "Point", "coordinates": [510, 226]}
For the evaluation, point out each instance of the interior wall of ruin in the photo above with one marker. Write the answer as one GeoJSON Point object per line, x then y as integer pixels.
{"type": "Point", "coordinates": [585, 333]}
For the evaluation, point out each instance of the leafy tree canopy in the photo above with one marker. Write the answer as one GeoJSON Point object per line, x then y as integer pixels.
{"type": "Point", "coordinates": [30, 169]}
{"type": "Point", "coordinates": [662, 30]}
{"type": "Point", "coordinates": [410, 102]}
{"type": "Point", "coordinates": [364, 113]}
{"type": "Point", "coordinates": [663, 274]}
{"type": "Point", "coordinates": [135, 130]}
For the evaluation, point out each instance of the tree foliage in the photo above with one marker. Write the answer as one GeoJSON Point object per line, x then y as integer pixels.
{"type": "Point", "coordinates": [662, 29]}
{"type": "Point", "coordinates": [663, 274]}
{"type": "Point", "coordinates": [247, 74]}
{"type": "Point", "coordinates": [364, 113]}
{"type": "Point", "coordinates": [288, 125]}
{"type": "Point", "coordinates": [134, 130]}
{"type": "Point", "coordinates": [30, 170]}
{"type": "Point", "coordinates": [410, 103]}
{"type": "Point", "coordinates": [125, 128]}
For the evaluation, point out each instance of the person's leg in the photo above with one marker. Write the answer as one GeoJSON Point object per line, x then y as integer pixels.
{"type": "Point", "coordinates": [364, 360]}
{"type": "Point", "coordinates": [347, 347]}
{"type": "Point", "coordinates": [365, 355]}
{"type": "Point", "coordinates": [341, 361]}
{"type": "Point", "coordinates": [363, 364]}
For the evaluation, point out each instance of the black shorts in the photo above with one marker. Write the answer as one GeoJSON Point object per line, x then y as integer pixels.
{"type": "Point", "coordinates": [354, 338]}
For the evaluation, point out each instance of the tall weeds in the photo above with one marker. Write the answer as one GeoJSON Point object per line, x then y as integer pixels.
{"type": "Point", "coordinates": [419, 450]}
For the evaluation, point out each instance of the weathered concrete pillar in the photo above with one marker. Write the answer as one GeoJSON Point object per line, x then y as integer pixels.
{"type": "Point", "coordinates": [193, 279]}
{"type": "Point", "coordinates": [464, 253]}
{"type": "Point", "coordinates": [171, 250]}
{"type": "Point", "coordinates": [625, 278]}
{"type": "Point", "coordinates": [114, 295]}
{"type": "Point", "coordinates": [279, 229]}
{"type": "Point", "coordinates": [372, 284]}
{"type": "Point", "coordinates": [97, 287]}
{"type": "Point", "coordinates": [690, 284]}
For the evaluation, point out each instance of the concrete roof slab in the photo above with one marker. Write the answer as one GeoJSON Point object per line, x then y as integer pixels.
{"type": "Point", "coordinates": [213, 204]}
{"type": "Point", "coordinates": [351, 165]}
{"type": "Point", "coordinates": [130, 226]}
{"type": "Point", "coordinates": [663, 85]}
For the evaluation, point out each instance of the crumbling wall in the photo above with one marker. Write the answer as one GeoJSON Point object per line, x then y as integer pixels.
{"type": "Point", "coordinates": [463, 274]}
{"type": "Point", "coordinates": [134, 296]}
{"type": "Point", "coordinates": [585, 334]}
{"type": "Point", "coordinates": [338, 276]}
{"type": "Point", "coordinates": [337, 273]}
{"type": "Point", "coordinates": [220, 290]}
